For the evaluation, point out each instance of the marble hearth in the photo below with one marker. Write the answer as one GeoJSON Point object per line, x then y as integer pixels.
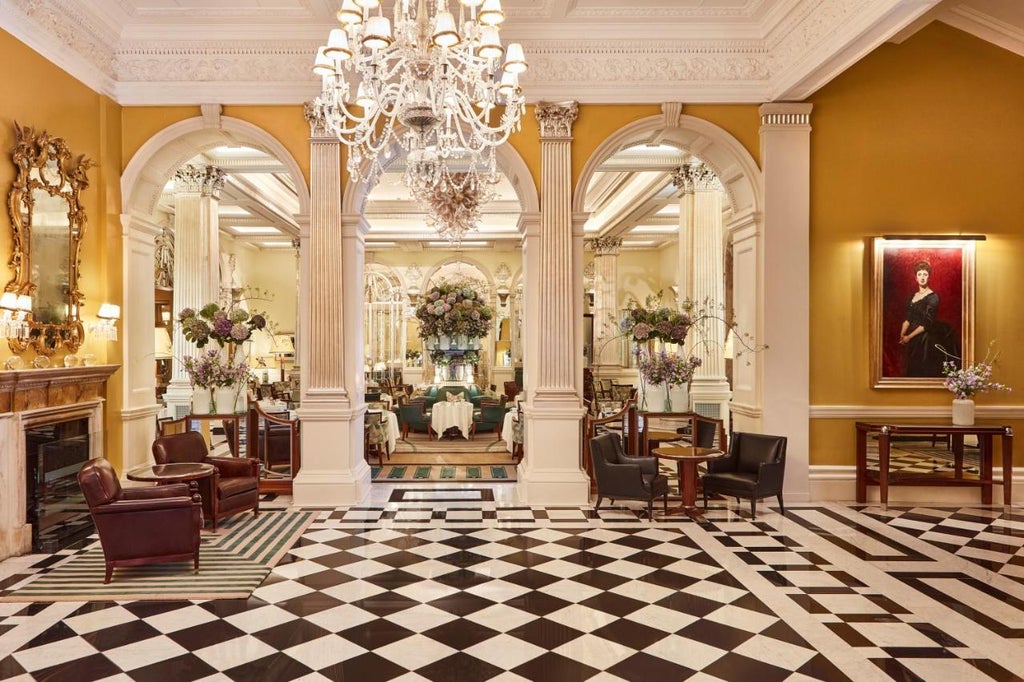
{"type": "Point", "coordinates": [33, 398]}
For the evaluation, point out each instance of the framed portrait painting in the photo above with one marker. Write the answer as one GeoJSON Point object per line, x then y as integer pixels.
{"type": "Point", "coordinates": [922, 309]}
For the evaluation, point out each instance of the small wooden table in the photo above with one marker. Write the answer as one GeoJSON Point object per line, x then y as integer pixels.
{"type": "Point", "coordinates": [687, 458]}
{"type": "Point", "coordinates": [985, 436]}
{"type": "Point", "coordinates": [180, 472]}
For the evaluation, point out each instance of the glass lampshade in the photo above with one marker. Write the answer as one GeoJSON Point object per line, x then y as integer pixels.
{"type": "Point", "coordinates": [515, 58]}
{"type": "Point", "coordinates": [490, 43]}
{"type": "Point", "coordinates": [350, 13]}
{"type": "Point", "coordinates": [378, 33]}
{"type": "Point", "coordinates": [445, 33]}
{"type": "Point", "coordinates": [491, 13]}
{"type": "Point", "coordinates": [337, 45]}
{"type": "Point", "coordinates": [322, 66]}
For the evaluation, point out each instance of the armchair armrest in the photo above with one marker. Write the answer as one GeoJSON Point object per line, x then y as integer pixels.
{"type": "Point", "coordinates": [648, 465]}
{"type": "Point", "coordinates": [234, 467]}
{"type": "Point", "coordinates": [770, 476]}
{"type": "Point", "coordinates": [156, 492]}
{"type": "Point", "coordinates": [158, 504]}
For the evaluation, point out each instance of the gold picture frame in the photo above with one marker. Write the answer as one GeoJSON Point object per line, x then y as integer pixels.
{"type": "Point", "coordinates": [922, 309]}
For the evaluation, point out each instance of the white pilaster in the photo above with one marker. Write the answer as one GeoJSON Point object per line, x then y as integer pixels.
{"type": "Point", "coordinates": [138, 380]}
{"type": "Point", "coordinates": [196, 258]}
{"type": "Point", "coordinates": [550, 472]}
{"type": "Point", "coordinates": [785, 160]}
{"type": "Point", "coordinates": [333, 471]}
{"type": "Point", "coordinates": [704, 251]}
{"type": "Point", "coordinates": [606, 300]}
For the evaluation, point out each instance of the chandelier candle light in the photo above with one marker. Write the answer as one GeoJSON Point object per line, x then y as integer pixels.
{"type": "Point", "coordinates": [442, 76]}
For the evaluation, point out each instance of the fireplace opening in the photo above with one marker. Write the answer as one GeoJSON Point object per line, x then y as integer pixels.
{"type": "Point", "coordinates": [56, 508]}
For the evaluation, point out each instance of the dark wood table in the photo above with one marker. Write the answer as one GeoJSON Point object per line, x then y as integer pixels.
{"type": "Point", "coordinates": [883, 480]}
{"type": "Point", "coordinates": [179, 473]}
{"type": "Point", "coordinates": [686, 459]}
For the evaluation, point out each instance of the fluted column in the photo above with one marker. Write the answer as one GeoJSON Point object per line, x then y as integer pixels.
{"type": "Point", "coordinates": [606, 297]}
{"type": "Point", "coordinates": [705, 250]}
{"type": "Point", "coordinates": [785, 162]}
{"type": "Point", "coordinates": [550, 472]}
{"type": "Point", "coordinates": [333, 470]}
{"type": "Point", "coordinates": [196, 258]}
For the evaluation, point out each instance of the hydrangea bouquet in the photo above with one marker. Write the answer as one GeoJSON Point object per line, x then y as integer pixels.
{"type": "Point", "coordinates": [656, 322]}
{"type": "Point", "coordinates": [223, 325]}
{"type": "Point", "coordinates": [451, 310]}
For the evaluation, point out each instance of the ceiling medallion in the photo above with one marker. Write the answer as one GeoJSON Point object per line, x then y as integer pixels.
{"type": "Point", "coordinates": [440, 85]}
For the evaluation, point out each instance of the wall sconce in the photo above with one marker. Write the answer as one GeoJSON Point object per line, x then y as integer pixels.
{"type": "Point", "coordinates": [13, 310]}
{"type": "Point", "coordinates": [106, 328]}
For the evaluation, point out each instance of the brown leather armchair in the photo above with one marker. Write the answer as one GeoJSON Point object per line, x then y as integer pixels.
{"type": "Point", "coordinates": [141, 525]}
{"type": "Point", "coordinates": [234, 486]}
{"type": "Point", "coordinates": [754, 469]}
{"type": "Point", "coordinates": [620, 477]}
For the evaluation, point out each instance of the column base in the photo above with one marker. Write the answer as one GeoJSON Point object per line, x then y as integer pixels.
{"type": "Point", "coordinates": [550, 474]}
{"type": "Point", "coordinates": [333, 471]}
{"type": "Point", "coordinates": [178, 398]}
{"type": "Point", "coordinates": [710, 397]}
{"type": "Point", "coordinates": [137, 435]}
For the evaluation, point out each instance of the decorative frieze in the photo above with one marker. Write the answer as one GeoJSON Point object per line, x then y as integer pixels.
{"type": "Point", "coordinates": [207, 181]}
{"type": "Point", "coordinates": [33, 389]}
{"type": "Point", "coordinates": [556, 118]}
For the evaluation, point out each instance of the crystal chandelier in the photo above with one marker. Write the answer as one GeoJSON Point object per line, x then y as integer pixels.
{"type": "Point", "coordinates": [444, 77]}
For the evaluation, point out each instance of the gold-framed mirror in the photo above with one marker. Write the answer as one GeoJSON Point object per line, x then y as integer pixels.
{"type": "Point", "coordinates": [49, 223]}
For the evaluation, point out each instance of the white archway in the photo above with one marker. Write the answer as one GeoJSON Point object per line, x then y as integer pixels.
{"type": "Point", "coordinates": [142, 183]}
{"type": "Point", "coordinates": [741, 179]}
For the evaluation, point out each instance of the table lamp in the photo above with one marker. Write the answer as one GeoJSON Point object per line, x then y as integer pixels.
{"type": "Point", "coordinates": [163, 348]}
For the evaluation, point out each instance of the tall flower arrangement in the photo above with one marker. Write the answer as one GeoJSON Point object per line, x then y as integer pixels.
{"type": "Point", "coordinates": [450, 310]}
{"type": "Point", "coordinates": [968, 381]}
{"type": "Point", "coordinates": [223, 325]}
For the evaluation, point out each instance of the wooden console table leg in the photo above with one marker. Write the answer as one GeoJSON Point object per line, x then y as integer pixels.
{"type": "Point", "coordinates": [985, 446]}
{"type": "Point", "coordinates": [1007, 467]}
{"type": "Point", "coordinates": [883, 466]}
{"type": "Point", "coordinates": [862, 466]}
{"type": "Point", "coordinates": [957, 442]}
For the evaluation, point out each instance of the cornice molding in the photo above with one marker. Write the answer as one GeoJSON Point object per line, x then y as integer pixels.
{"type": "Point", "coordinates": [986, 27]}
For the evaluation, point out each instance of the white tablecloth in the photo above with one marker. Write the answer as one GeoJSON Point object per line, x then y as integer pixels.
{"type": "Point", "coordinates": [445, 415]}
{"type": "Point", "coordinates": [391, 425]}
{"type": "Point", "coordinates": [506, 429]}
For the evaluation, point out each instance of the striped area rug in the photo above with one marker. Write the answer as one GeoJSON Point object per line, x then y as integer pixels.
{"type": "Point", "coordinates": [391, 473]}
{"type": "Point", "coordinates": [232, 563]}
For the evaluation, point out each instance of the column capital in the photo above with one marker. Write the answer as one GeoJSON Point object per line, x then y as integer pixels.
{"type": "Point", "coordinates": [604, 246]}
{"type": "Point", "coordinates": [695, 177]}
{"type": "Point", "coordinates": [205, 180]}
{"type": "Point", "coordinates": [316, 116]}
{"type": "Point", "coordinates": [786, 114]}
{"type": "Point", "coordinates": [556, 119]}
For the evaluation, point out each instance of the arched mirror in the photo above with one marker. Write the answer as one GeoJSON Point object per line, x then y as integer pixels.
{"type": "Point", "coordinates": [48, 222]}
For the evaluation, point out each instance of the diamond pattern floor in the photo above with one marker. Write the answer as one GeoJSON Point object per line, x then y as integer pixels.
{"type": "Point", "coordinates": [478, 590]}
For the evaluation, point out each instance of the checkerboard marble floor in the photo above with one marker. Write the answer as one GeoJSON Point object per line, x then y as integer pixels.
{"type": "Point", "coordinates": [464, 585]}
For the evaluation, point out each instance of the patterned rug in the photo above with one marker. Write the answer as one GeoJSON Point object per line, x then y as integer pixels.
{"type": "Point", "coordinates": [420, 443]}
{"type": "Point", "coordinates": [232, 563]}
{"type": "Point", "coordinates": [391, 473]}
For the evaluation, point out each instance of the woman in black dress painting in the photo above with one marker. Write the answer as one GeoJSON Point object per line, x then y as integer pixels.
{"type": "Point", "coordinates": [922, 358]}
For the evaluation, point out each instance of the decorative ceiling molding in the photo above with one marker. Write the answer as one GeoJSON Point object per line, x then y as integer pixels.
{"type": "Point", "coordinates": [786, 48]}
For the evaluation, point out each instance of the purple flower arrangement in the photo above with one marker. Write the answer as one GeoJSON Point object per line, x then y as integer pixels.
{"type": "Point", "coordinates": [223, 325]}
{"type": "Point", "coordinates": [209, 370]}
{"type": "Point", "coordinates": [656, 323]}
{"type": "Point", "coordinates": [967, 382]}
{"type": "Point", "coordinates": [452, 310]}
{"type": "Point", "coordinates": [667, 368]}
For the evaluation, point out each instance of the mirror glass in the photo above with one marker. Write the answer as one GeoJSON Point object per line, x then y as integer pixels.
{"type": "Point", "coordinates": [48, 222]}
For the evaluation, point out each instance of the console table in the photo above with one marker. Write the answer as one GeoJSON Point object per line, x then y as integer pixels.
{"type": "Point", "coordinates": [956, 434]}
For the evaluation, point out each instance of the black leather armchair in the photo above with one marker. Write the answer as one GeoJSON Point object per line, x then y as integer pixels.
{"type": "Point", "coordinates": [754, 469]}
{"type": "Point", "coordinates": [621, 477]}
{"type": "Point", "coordinates": [140, 526]}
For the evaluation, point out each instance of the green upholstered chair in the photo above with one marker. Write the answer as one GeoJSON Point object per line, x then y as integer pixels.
{"type": "Point", "coordinates": [490, 418]}
{"type": "Point", "coordinates": [413, 417]}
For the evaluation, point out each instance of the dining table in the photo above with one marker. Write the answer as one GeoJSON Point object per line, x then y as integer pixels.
{"type": "Point", "coordinates": [447, 414]}
{"type": "Point", "coordinates": [390, 426]}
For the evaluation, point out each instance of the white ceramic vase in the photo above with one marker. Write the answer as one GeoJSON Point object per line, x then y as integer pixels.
{"type": "Point", "coordinates": [201, 400]}
{"type": "Point", "coordinates": [223, 400]}
{"type": "Point", "coordinates": [963, 412]}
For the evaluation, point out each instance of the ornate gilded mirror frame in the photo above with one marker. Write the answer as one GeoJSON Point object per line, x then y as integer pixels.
{"type": "Point", "coordinates": [45, 164]}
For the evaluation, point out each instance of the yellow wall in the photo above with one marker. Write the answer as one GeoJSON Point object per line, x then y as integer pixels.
{"type": "Point", "coordinates": [37, 93]}
{"type": "Point", "coordinates": [924, 137]}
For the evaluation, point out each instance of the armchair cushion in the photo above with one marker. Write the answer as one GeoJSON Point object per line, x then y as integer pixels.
{"type": "Point", "coordinates": [233, 467]}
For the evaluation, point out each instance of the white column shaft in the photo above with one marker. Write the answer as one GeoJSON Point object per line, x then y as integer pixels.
{"type": "Point", "coordinates": [709, 279]}
{"type": "Point", "coordinates": [606, 308]}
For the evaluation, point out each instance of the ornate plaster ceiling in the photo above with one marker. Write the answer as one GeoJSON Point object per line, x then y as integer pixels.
{"type": "Point", "coordinates": [260, 51]}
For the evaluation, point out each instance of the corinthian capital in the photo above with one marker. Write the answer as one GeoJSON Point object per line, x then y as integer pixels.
{"type": "Point", "coordinates": [205, 180]}
{"type": "Point", "coordinates": [316, 116]}
{"type": "Point", "coordinates": [605, 246]}
{"type": "Point", "coordinates": [556, 118]}
{"type": "Point", "coordinates": [695, 177]}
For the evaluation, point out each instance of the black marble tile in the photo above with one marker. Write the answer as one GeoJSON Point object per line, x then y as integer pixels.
{"type": "Point", "coordinates": [461, 667]}
{"type": "Point", "coordinates": [552, 666]}
{"type": "Point", "coordinates": [641, 667]}
{"type": "Point", "coordinates": [461, 633]}
{"type": "Point", "coordinates": [289, 634]}
{"type": "Point", "coordinates": [117, 635]}
{"type": "Point", "coordinates": [185, 668]}
{"type": "Point", "coordinates": [629, 633]}
{"type": "Point", "coordinates": [375, 634]}
{"type": "Point", "coordinates": [87, 669]}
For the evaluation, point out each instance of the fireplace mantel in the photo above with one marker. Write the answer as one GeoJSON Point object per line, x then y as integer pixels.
{"type": "Point", "coordinates": [32, 389]}
{"type": "Point", "coordinates": [29, 398]}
